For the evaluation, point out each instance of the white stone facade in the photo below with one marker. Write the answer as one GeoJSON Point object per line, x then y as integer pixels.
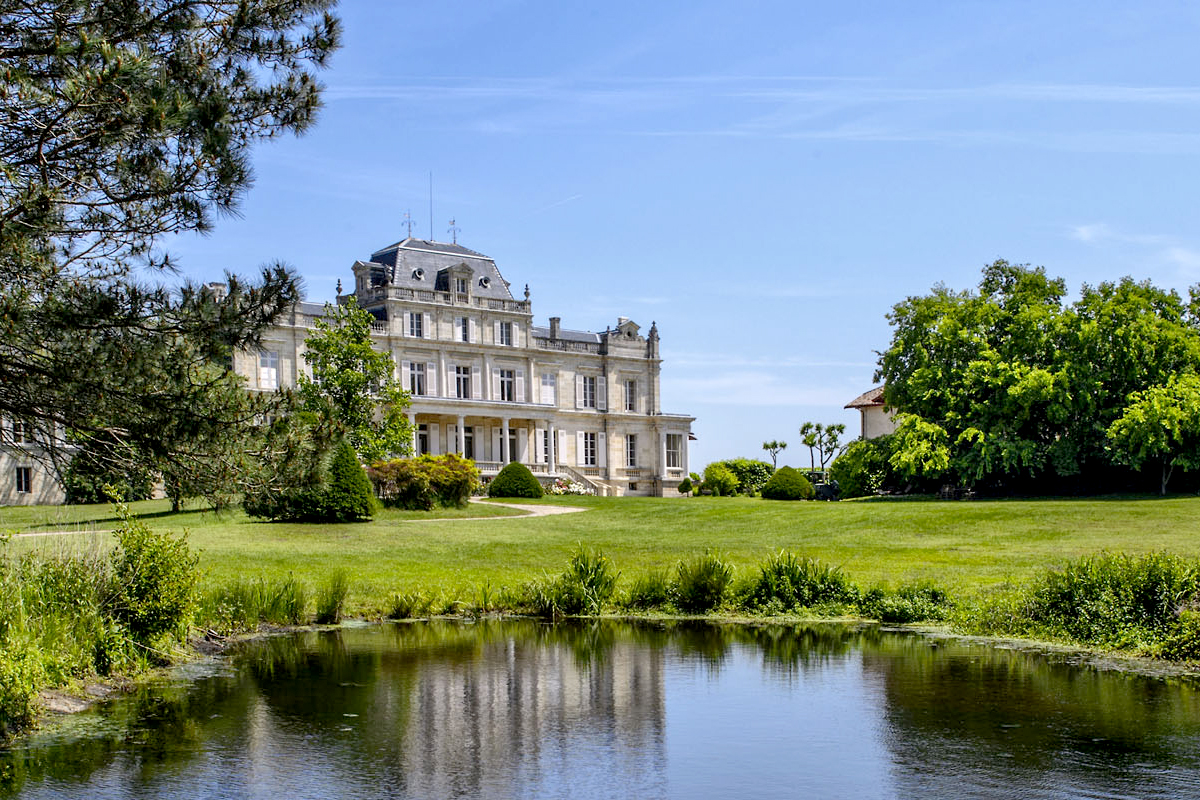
{"type": "Point", "coordinates": [489, 384]}
{"type": "Point", "coordinates": [24, 476]}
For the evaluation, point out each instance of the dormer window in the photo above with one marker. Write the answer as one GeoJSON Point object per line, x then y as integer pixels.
{"type": "Point", "coordinates": [485, 282]}
{"type": "Point", "coordinates": [418, 274]}
{"type": "Point", "coordinates": [460, 285]}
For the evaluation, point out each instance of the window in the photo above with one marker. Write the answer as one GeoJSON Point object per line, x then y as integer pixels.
{"type": "Point", "coordinates": [24, 480]}
{"type": "Point", "coordinates": [468, 442]}
{"type": "Point", "coordinates": [506, 334]}
{"type": "Point", "coordinates": [549, 388]}
{"type": "Point", "coordinates": [423, 439]}
{"type": "Point", "coordinates": [589, 391]}
{"type": "Point", "coordinates": [416, 379]}
{"type": "Point", "coordinates": [21, 433]}
{"type": "Point", "coordinates": [631, 395]}
{"type": "Point", "coordinates": [631, 449]}
{"type": "Point", "coordinates": [462, 382]}
{"type": "Point", "coordinates": [464, 328]}
{"type": "Point", "coordinates": [268, 369]}
{"type": "Point", "coordinates": [589, 450]}
{"type": "Point", "coordinates": [460, 285]}
{"type": "Point", "coordinates": [512, 444]}
{"type": "Point", "coordinates": [508, 380]}
{"type": "Point", "coordinates": [674, 451]}
{"type": "Point", "coordinates": [416, 325]}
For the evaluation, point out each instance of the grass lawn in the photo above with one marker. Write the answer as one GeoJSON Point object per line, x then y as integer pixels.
{"type": "Point", "coordinates": [961, 545]}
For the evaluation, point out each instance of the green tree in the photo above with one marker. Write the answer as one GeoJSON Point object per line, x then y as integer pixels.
{"type": "Point", "coordinates": [774, 448]}
{"type": "Point", "coordinates": [810, 437]}
{"type": "Point", "coordinates": [830, 443]}
{"type": "Point", "coordinates": [719, 480]}
{"type": "Point", "coordinates": [353, 389]}
{"type": "Point", "coordinates": [1161, 424]}
{"type": "Point", "coordinates": [124, 124]}
{"type": "Point", "coordinates": [1022, 386]}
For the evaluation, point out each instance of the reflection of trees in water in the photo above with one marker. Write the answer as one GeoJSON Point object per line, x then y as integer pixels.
{"type": "Point", "coordinates": [963, 712]}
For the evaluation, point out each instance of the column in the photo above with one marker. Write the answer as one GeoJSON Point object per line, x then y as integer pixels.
{"type": "Point", "coordinates": [551, 449]}
{"type": "Point", "coordinates": [412, 423]}
{"type": "Point", "coordinates": [462, 436]}
{"type": "Point", "coordinates": [504, 454]}
{"type": "Point", "coordinates": [662, 455]}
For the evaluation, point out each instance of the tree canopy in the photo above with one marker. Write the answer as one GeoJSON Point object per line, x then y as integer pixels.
{"type": "Point", "coordinates": [353, 390]}
{"type": "Point", "coordinates": [124, 123]}
{"type": "Point", "coordinates": [1011, 386]}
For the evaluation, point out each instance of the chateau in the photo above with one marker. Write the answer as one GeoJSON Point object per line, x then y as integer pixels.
{"type": "Point", "coordinates": [485, 381]}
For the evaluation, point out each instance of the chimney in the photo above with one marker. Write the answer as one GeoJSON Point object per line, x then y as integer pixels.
{"type": "Point", "coordinates": [554, 324]}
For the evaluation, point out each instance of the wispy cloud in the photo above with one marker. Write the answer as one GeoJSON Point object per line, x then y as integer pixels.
{"type": "Point", "coordinates": [1168, 250]}
{"type": "Point", "coordinates": [556, 204]}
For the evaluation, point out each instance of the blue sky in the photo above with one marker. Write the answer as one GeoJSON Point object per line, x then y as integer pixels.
{"type": "Point", "coordinates": [765, 180]}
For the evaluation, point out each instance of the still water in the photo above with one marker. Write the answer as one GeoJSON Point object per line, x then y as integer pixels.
{"type": "Point", "coordinates": [520, 709]}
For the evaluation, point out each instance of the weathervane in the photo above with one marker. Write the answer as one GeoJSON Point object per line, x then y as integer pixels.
{"type": "Point", "coordinates": [408, 222]}
{"type": "Point", "coordinates": [453, 231]}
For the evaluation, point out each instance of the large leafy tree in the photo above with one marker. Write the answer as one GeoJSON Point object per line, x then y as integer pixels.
{"type": "Point", "coordinates": [122, 123]}
{"type": "Point", "coordinates": [1161, 425]}
{"type": "Point", "coordinates": [353, 391]}
{"type": "Point", "coordinates": [1010, 386]}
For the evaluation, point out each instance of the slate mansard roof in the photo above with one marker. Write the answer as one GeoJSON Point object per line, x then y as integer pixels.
{"type": "Point", "coordinates": [420, 264]}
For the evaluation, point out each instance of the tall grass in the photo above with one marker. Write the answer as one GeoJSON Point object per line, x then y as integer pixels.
{"type": "Point", "coordinates": [585, 587]}
{"type": "Point", "coordinates": [331, 599]}
{"type": "Point", "coordinates": [243, 605]}
{"type": "Point", "coordinates": [702, 583]}
{"type": "Point", "coordinates": [787, 582]}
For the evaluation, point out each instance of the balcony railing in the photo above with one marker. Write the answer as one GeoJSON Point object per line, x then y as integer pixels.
{"type": "Point", "coordinates": [445, 298]}
{"type": "Point", "coordinates": [570, 347]}
{"type": "Point", "coordinates": [492, 467]}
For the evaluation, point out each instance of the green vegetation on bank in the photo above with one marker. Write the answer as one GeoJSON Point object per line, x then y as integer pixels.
{"type": "Point", "coordinates": [1119, 573]}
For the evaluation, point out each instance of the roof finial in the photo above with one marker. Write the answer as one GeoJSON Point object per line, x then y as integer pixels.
{"type": "Point", "coordinates": [453, 231]}
{"type": "Point", "coordinates": [527, 293]}
{"type": "Point", "coordinates": [339, 286]}
{"type": "Point", "coordinates": [408, 223]}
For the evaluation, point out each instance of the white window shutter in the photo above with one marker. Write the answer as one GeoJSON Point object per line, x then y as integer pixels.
{"type": "Point", "coordinates": [495, 333]}
{"type": "Point", "coordinates": [474, 331]}
{"type": "Point", "coordinates": [520, 386]}
{"type": "Point", "coordinates": [407, 324]}
{"type": "Point", "coordinates": [431, 379]}
{"type": "Point", "coordinates": [476, 383]}
{"type": "Point", "coordinates": [579, 391]}
{"type": "Point", "coordinates": [450, 380]}
{"type": "Point", "coordinates": [427, 326]}
{"type": "Point", "coordinates": [535, 388]}
{"type": "Point", "coordinates": [495, 383]}
{"type": "Point", "coordinates": [435, 441]}
{"type": "Point", "coordinates": [496, 454]}
{"type": "Point", "coordinates": [579, 448]}
{"type": "Point", "coordinates": [601, 449]}
{"type": "Point", "coordinates": [523, 445]}
{"type": "Point", "coordinates": [516, 335]}
{"type": "Point", "coordinates": [539, 445]}
{"type": "Point", "coordinates": [405, 372]}
{"type": "Point", "coordinates": [602, 392]}
{"type": "Point", "coordinates": [560, 447]}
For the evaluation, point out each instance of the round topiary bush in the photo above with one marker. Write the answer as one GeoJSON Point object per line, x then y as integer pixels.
{"type": "Point", "coordinates": [788, 484]}
{"type": "Point", "coordinates": [515, 480]}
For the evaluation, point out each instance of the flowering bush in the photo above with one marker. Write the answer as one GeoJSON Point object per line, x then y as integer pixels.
{"type": "Point", "coordinates": [561, 486]}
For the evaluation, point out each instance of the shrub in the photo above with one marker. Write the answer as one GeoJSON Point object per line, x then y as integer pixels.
{"type": "Point", "coordinates": [909, 603]}
{"type": "Point", "coordinates": [863, 468]}
{"type": "Point", "coordinates": [515, 480]}
{"type": "Point", "coordinates": [585, 587]}
{"type": "Point", "coordinates": [788, 484]}
{"type": "Point", "coordinates": [701, 584]}
{"type": "Point", "coordinates": [349, 496]}
{"type": "Point", "coordinates": [563, 487]}
{"type": "Point", "coordinates": [685, 486]}
{"type": "Point", "coordinates": [92, 478]}
{"type": "Point", "coordinates": [750, 474]}
{"type": "Point", "coordinates": [407, 605]}
{"type": "Point", "coordinates": [242, 605]}
{"type": "Point", "coordinates": [331, 599]}
{"type": "Point", "coordinates": [21, 678]}
{"type": "Point", "coordinates": [787, 582]}
{"type": "Point", "coordinates": [154, 577]}
{"type": "Point", "coordinates": [1184, 643]}
{"type": "Point", "coordinates": [649, 591]}
{"type": "Point", "coordinates": [1115, 599]}
{"type": "Point", "coordinates": [719, 480]}
{"type": "Point", "coordinates": [420, 484]}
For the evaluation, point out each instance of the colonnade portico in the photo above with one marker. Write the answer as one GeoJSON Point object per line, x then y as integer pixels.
{"type": "Point", "coordinates": [488, 439]}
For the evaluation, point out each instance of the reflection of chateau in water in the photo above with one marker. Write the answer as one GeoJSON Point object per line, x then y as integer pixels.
{"type": "Point", "coordinates": [474, 714]}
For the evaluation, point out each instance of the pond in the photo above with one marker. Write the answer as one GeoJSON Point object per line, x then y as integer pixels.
{"type": "Point", "coordinates": [522, 709]}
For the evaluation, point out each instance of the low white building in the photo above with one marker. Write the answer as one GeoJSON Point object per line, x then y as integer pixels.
{"type": "Point", "coordinates": [877, 418]}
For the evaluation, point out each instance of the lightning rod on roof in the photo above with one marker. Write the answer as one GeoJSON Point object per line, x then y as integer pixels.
{"type": "Point", "coordinates": [431, 205]}
{"type": "Point", "coordinates": [408, 223]}
{"type": "Point", "coordinates": [453, 231]}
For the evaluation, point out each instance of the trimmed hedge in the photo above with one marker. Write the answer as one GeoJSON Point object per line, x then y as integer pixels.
{"type": "Point", "coordinates": [420, 484]}
{"type": "Point", "coordinates": [515, 480]}
{"type": "Point", "coordinates": [788, 484]}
